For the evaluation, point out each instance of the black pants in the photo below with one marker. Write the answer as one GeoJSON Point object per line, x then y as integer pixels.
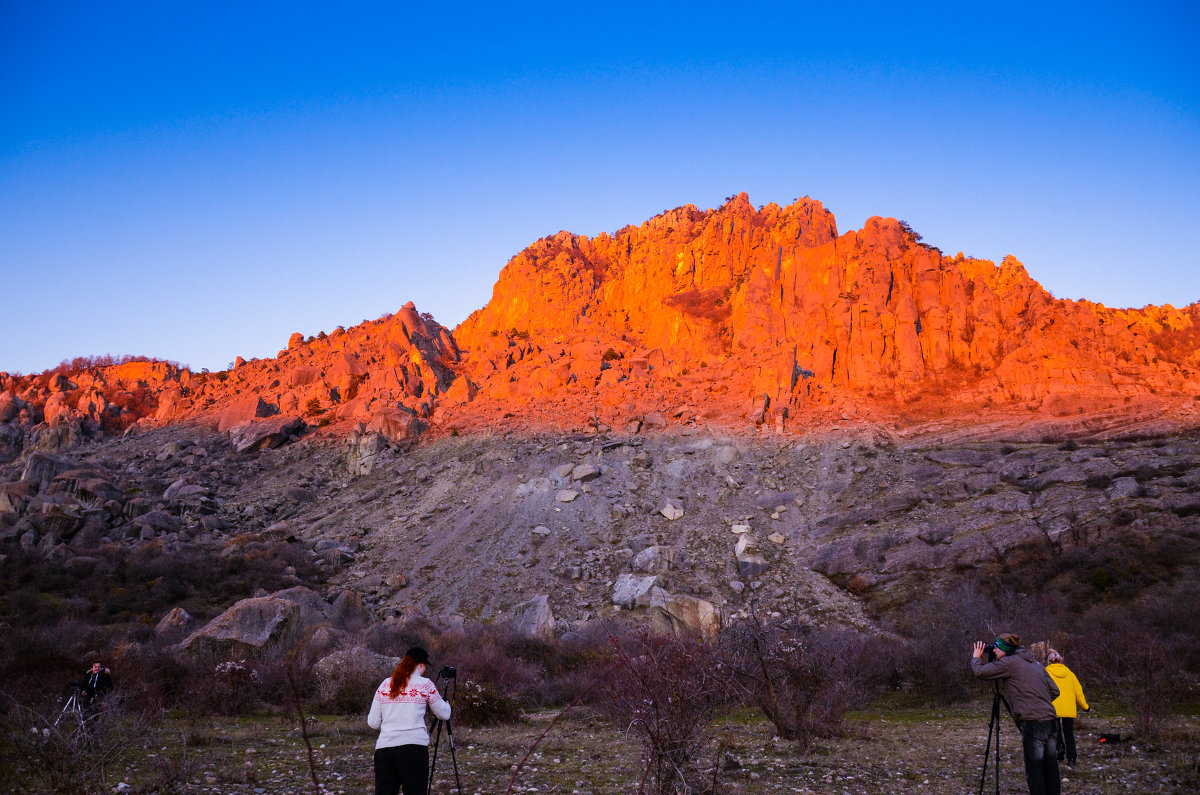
{"type": "Point", "coordinates": [1040, 742]}
{"type": "Point", "coordinates": [1068, 726]}
{"type": "Point", "coordinates": [399, 766]}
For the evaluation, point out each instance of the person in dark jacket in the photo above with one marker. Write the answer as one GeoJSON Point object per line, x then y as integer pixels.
{"type": "Point", "coordinates": [1031, 693]}
{"type": "Point", "coordinates": [95, 683]}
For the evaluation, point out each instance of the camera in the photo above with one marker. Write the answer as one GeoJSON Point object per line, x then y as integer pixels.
{"type": "Point", "coordinates": [447, 672]}
{"type": "Point", "coordinates": [989, 651]}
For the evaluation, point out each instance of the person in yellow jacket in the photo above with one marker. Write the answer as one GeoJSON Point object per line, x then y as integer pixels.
{"type": "Point", "coordinates": [1070, 696]}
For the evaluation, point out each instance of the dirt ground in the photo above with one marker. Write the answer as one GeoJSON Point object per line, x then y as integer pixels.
{"type": "Point", "coordinates": [884, 750]}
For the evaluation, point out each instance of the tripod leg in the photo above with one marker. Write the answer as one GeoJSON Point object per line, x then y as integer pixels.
{"type": "Point", "coordinates": [437, 740]}
{"type": "Point", "coordinates": [453, 755]}
{"type": "Point", "coordinates": [987, 749]}
{"type": "Point", "coordinates": [996, 712]}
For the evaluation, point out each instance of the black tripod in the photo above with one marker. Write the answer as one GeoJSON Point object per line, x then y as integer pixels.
{"type": "Point", "coordinates": [451, 676]}
{"type": "Point", "coordinates": [994, 728]}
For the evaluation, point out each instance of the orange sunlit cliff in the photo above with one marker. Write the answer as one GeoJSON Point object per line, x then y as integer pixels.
{"type": "Point", "coordinates": [734, 316]}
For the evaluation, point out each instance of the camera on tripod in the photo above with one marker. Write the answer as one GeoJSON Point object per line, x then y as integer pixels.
{"type": "Point", "coordinates": [989, 651]}
{"type": "Point", "coordinates": [447, 672]}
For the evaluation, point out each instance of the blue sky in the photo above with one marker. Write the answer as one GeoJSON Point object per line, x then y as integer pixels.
{"type": "Point", "coordinates": [196, 181]}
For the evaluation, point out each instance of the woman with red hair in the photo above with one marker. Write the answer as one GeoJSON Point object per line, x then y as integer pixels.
{"type": "Point", "coordinates": [398, 711]}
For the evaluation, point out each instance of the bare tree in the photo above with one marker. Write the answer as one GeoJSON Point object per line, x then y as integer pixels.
{"type": "Point", "coordinates": [804, 679]}
{"type": "Point", "coordinates": [666, 691]}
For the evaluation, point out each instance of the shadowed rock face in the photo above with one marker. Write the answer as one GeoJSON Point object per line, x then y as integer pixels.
{"type": "Point", "coordinates": [718, 317]}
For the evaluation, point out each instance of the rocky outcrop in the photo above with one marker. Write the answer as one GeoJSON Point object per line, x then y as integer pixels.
{"type": "Point", "coordinates": [252, 624]}
{"type": "Point", "coordinates": [534, 618]}
{"type": "Point", "coordinates": [680, 614]}
{"type": "Point", "coordinates": [388, 374]}
{"type": "Point", "coordinates": [768, 313]}
{"type": "Point", "coordinates": [739, 315]}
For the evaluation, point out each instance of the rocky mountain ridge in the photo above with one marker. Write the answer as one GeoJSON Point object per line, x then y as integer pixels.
{"type": "Point", "coordinates": [731, 318]}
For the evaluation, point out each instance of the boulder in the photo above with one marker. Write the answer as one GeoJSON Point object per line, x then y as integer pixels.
{"type": "Point", "coordinates": [585, 472]}
{"type": "Point", "coordinates": [749, 561]}
{"type": "Point", "coordinates": [242, 411]}
{"type": "Point", "coordinates": [680, 614]}
{"type": "Point", "coordinates": [534, 619]}
{"type": "Point", "coordinates": [158, 522]}
{"type": "Point", "coordinates": [58, 520]}
{"type": "Point", "coordinates": [365, 451]}
{"type": "Point", "coordinates": [630, 590]}
{"type": "Point", "coordinates": [42, 468]}
{"type": "Point", "coordinates": [1123, 488]}
{"type": "Point", "coordinates": [10, 406]}
{"type": "Point", "coordinates": [175, 623]}
{"type": "Point", "coordinates": [671, 511]}
{"type": "Point", "coordinates": [182, 490]}
{"type": "Point", "coordinates": [263, 434]}
{"type": "Point", "coordinates": [251, 624]}
{"type": "Point", "coordinates": [652, 559]}
{"type": "Point", "coordinates": [566, 495]}
{"type": "Point", "coordinates": [300, 494]}
{"type": "Point", "coordinates": [13, 496]}
{"type": "Point", "coordinates": [461, 391]}
{"type": "Point", "coordinates": [396, 425]}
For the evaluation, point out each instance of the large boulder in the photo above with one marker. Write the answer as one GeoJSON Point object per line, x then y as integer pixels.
{"type": "Point", "coordinates": [349, 676]}
{"type": "Point", "coordinates": [534, 619]}
{"type": "Point", "coordinates": [252, 624]}
{"type": "Point", "coordinates": [680, 614]}
{"type": "Point", "coordinates": [262, 434]}
{"type": "Point", "coordinates": [154, 523]}
{"type": "Point", "coordinates": [244, 410]}
{"type": "Point", "coordinates": [10, 406]}
{"type": "Point", "coordinates": [42, 468]}
{"type": "Point", "coordinates": [630, 590]}
{"type": "Point", "coordinates": [396, 425]}
{"type": "Point", "coordinates": [174, 624]}
{"type": "Point", "coordinates": [365, 450]}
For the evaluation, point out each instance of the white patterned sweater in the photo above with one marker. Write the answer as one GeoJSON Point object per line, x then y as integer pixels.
{"type": "Point", "coordinates": [401, 720]}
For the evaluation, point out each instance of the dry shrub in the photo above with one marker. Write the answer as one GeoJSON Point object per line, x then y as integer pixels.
{"type": "Point", "coordinates": [482, 704]}
{"type": "Point", "coordinates": [215, 686]}
{"type": "Point", "coordinates": [1122, 651]}
{"type": "Point", "coordinates": [665, 691]}
{"type": "Point", "coordinates": [941, 627]}
{"type": "Point", "coordinates": [347, 678]}
{"type": "Point", "coordinates": [39, 658]}
{"type": "Point", "coordinates": [534, 672]}
{"type": "Point", "coordinates": [804, 679]}
{"type": "Point", "coordinates": [72, 752]}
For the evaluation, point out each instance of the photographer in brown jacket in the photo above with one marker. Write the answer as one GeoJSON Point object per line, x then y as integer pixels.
{"type": "Point", "coordinates": [1031, 693]}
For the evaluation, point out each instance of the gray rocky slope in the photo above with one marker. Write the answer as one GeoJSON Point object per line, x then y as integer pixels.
{"type": "Point", "coordinates": [593, 526]}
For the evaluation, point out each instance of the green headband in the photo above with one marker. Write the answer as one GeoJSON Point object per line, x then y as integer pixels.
{"type": "Point", "coordinates": [1007, 648]}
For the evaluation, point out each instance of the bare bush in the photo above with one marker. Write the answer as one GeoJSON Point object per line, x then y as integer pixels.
{"type": "Point", "coordinates": [483, 704]}
{"type": "Point", "coordinates": [940, 629]}
{"type": "Point", "coordinates": [347, 678]}
{"type": "Point", "coordinates": [71, 752]}
{"type": "Point", "coordinates": [222, 687]}
{"type": "Point", "coordinates": [803, 679]}
{"type": "Point", "coordinates": [1134, 663]}
{"type": "Point", "coordinates": [666, 691]}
